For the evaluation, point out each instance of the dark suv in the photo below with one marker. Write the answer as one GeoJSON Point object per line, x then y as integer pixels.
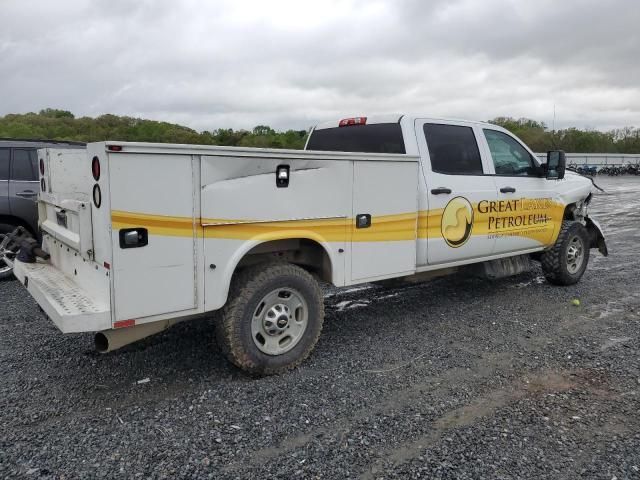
{"type": "Point", "coordinates": [19, 185]}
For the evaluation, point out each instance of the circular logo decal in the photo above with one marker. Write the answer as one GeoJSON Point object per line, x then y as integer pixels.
{"type": "Point", "coordinates": [457, 222]}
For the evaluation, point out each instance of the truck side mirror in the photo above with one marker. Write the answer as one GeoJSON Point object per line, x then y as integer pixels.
{"type": "Point", "coordinates": [556, 165]}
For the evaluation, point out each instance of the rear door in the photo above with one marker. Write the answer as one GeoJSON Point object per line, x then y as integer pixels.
{"type": "Point", "coordinates": [24, 185]}
{"type": "Point", "coordinates": [5, 161]}
{"type": "Point", "coordinates": [454, 171]}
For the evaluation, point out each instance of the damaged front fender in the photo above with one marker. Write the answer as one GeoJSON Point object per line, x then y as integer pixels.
{"type": "Point", "coordinates": [596, 237]}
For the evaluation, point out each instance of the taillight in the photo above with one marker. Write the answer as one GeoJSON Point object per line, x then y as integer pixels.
{"type": "Point", "coordinates": [95, 168]}
{"type": "Point", "coordinates": [345, 122]}
{"type": "Point", "coordinates": [97, 196]}
{"type": "Point", "coordinates": [43, 185]}
{"type": "Point", "coordinates": [41, 167]}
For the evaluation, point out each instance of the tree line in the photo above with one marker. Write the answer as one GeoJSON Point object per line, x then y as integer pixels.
{"type": "Point", "coordinates": [57, 124]}
{"type": "Point", "coordinates": [53, 124]}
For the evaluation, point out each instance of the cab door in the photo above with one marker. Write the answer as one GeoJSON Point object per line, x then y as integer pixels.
{"type": "Point", "coordinates": [456, 183]}
{"type": "Point", "coordinates": [526, 215]}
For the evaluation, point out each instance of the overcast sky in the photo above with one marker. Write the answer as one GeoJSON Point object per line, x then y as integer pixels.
{"type": "Point", "coordinates": [291, 63]}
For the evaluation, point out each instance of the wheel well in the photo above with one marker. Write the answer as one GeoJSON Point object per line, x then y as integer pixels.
{"type": "Point", "coordinates": [570, 212]}
{"type": "Point", "coordinates": [303, 252]}
{"type": "Point", "coordinates": [16, 221]}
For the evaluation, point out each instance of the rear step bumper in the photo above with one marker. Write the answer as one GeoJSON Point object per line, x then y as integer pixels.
{"type": "Point", "coordinates": [70, 307]}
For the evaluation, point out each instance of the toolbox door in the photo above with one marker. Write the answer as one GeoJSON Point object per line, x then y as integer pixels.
{"type": "Point", "coordinates": [154, 229]}
{"type": "Point", "coordinates": [384, 221]}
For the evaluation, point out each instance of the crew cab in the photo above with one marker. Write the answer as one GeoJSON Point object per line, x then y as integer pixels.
{"type": "Point", "coordinates": [147, 235]}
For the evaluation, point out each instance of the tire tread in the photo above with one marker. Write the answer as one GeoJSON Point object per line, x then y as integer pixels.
{"type": "Point", "coordinates": [552, 259]}
{"type": "Point", "coordinates": [243, 287]}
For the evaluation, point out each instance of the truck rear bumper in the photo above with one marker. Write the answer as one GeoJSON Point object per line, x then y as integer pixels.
{"type": "Point", "coordinates": [70, 307]}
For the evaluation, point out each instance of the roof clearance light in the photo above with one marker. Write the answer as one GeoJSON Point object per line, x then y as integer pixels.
{"type": "Point", "coordinates": [347, 122]}
{"type": "Point", "coordinates": [95, 168]}
{"type": "Point", "coordinates": [114, 148]}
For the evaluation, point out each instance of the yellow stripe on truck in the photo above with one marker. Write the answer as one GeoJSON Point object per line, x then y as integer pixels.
{"type": "Point", "coordinates": [424, 224]}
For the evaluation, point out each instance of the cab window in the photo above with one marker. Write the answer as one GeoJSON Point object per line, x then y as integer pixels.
{"type": "Point", "coordinates": [453, 149]}
{"type": "Point", "coordinates": [509, 157]}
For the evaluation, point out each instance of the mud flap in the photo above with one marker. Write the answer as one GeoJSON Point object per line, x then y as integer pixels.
{"type": "Point", "coordinates": [596, 236]}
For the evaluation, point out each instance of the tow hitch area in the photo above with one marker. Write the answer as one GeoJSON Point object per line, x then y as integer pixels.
{"type": "Point", "coordinates": [30, 249]}
{"type": "Point", "coordinates": [20, 243]}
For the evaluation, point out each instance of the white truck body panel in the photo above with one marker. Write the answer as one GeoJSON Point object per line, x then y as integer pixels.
{"type": "Point", "coordinates": [205, 208]}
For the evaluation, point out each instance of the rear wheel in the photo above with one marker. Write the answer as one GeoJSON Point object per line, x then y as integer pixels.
{"type": "Point", "coordinates": [566, 261]}
{"type": "Point", "coordinates": [272, 320]}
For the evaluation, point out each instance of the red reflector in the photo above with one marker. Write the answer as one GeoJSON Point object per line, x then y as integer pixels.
{"type": "Point", "coordinates": [107, 266]}
{"type": "Point", "coordinates": [114, 148]}
{"type": "Point", "coordinates": [95, 168]}
{"type": "Point", "coordinates": [41, 167]}
{"type": "Point", "coordinates": [124, 323]}
{"type": "Point", "coordinates": [345, 122]}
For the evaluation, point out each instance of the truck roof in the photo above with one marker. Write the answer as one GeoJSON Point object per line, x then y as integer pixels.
{"type": "Point", "coordinates": [395, 118]}
{"type": "Point", "coordinates": [39, 143]}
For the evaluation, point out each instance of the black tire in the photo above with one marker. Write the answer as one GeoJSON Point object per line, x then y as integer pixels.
{"type": "Point", "coordinates": [555, 264]}
{"type": "Point", "coordinates": [248, 289]}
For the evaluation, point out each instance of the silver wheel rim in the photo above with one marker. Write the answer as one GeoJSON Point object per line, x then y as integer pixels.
{"type": "Point", "coordinates": [575, 254]}
{"type": "Point", "coordinates": [279, 321]}
{"type": "Point", "coordinates": [4, 268]}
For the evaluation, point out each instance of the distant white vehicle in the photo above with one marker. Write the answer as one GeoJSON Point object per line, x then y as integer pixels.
{"type": "Point", "coordinates": [142, 235]}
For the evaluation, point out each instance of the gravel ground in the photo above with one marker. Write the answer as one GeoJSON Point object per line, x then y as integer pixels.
{"type": "Point", "coordinates": [456, 378]}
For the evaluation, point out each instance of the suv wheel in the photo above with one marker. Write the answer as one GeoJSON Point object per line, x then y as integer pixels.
{"type": "Point", "coordinates": [566, 261]}
{"type": "Point", "coordinates": [272, 320]}
{"type": "Point", "coordinates": [6, 271]}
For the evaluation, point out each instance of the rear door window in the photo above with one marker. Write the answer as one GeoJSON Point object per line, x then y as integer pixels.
{"type": "Point", "coordinates": [4, 163]}
{"type": "Point", "coordinates": [24, 166]}
{"type": "Point", "coordinates": [453, 149]}
{"type": "Point", "coordinates": [373, 138]}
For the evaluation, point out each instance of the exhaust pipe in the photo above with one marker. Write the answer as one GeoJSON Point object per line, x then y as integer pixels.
{"type": "Point", "coordinates": [109, 340]}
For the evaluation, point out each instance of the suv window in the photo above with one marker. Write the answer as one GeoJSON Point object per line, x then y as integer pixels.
{"type": "Point", "coordinates": [4, 163]}
{"type": "Point", "coordinates": [373, 138]}
{"type": "Point", "coordinates": [24, 165]}
{"type": "Point", "coordinates": [509, 157]}
{"type": "Point", "coordinates": [453, 149]}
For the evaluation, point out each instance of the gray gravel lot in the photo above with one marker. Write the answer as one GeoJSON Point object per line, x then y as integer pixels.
{"type": "Point", "coordinates": [456, 378]}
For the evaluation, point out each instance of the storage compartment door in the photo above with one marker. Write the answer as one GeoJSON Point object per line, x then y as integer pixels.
{"type": "Point", "coordinates": [384, 193]}
{"type": "Point", "coordinates": [154, 195]}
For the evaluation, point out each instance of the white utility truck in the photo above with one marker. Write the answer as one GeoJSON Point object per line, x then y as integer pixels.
{"type": "Point", "coordinates": [141, 235]}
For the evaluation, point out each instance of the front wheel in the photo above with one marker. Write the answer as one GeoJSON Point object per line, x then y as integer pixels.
{"type": "Point", "coordinates": [566, 261]}
{"type": "Point", "coordinates": [272, 320]}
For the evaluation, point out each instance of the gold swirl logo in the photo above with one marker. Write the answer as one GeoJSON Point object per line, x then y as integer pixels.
{"type": "Point", "coordinates": [457, 222]}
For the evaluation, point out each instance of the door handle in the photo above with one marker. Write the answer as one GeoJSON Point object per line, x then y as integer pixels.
{"type": "Point", "coordinates": [26, 194]}
{"type": "Point", "coordinates": [440, 191]}
{"type": "Point", "coordinates": [508, 190]}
